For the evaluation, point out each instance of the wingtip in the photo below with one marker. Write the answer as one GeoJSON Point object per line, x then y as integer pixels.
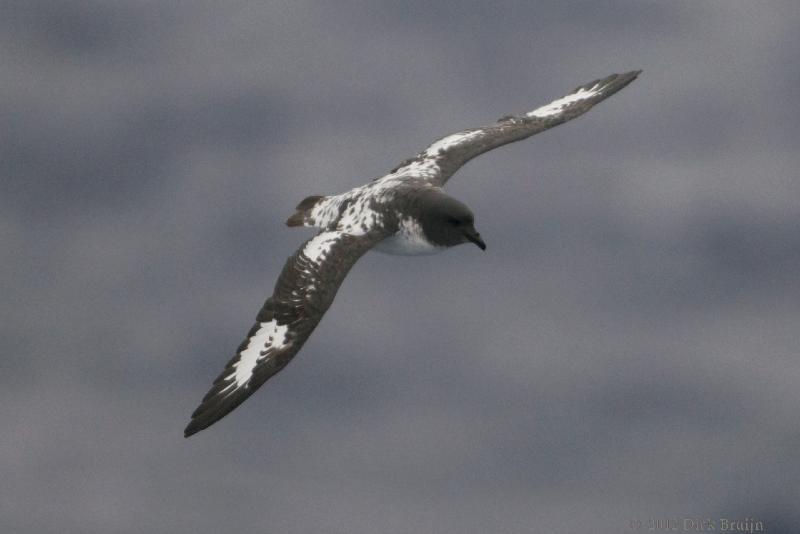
{"type": "Point", "coordinates": [628, 77]}
{"type": "Point", "coordinates": [295, 220]}
{"type": "Point", "coordinates": [193, 428]}
{"type": "Point", "coordinates": [189, 431]}
{"type": "Point", "coordinates": [615, 82]}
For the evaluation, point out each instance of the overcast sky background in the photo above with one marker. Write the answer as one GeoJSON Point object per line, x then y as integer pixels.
{"type": "Point", "coordinates": [627, 348]}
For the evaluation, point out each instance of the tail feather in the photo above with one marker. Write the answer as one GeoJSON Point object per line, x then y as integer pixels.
{"type": "Point", "coordinates": [295, 220]}
{"type": "Point", "coordinates": [303, 211]}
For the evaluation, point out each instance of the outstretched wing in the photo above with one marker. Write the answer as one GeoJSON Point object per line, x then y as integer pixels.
{"type": "Point", "coordinates": [303, 293]}
{"type": "Point", "coordinates": [442, 159]}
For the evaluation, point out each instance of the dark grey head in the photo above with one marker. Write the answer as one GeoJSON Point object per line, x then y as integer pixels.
{"type": "Point", "coordinates": [448, 222]}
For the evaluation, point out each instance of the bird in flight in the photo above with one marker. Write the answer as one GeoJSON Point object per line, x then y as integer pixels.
{"type": "Point", "coordinates": [405, 212]}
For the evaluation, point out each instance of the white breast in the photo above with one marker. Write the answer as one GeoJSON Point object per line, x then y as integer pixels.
{"type": "Point", "coordinates": [408, 241]}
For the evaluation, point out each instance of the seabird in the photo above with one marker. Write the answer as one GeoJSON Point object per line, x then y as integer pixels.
{"type": "Point", "coordinates": [404, 212]}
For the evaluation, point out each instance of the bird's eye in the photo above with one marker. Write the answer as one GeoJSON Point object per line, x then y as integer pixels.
{"type": "Point", "coordinates": [454, 221]}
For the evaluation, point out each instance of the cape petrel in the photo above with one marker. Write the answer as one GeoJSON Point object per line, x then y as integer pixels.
{"type": "Point", "coordinates": [405, 212]}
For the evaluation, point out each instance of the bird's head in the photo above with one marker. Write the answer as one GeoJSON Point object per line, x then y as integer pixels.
{"type": "Point", "coordinates": [448, 222]}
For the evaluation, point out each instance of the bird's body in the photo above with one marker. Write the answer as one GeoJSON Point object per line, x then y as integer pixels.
{"type": "Point", "coordinates": [405, 212]}
{"type": "Point", "coordinates": [409, 240]}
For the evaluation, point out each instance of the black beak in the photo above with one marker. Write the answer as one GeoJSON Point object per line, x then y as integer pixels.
{"type": "Point", "coordinates": [475, 237]}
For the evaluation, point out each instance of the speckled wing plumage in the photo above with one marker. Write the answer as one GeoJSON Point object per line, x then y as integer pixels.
{"type": "Point", "coordinates": [304, 291]}
{"type": "Point", "coordinates": [442, 159]}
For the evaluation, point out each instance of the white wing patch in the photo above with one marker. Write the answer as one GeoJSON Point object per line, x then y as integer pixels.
{"type": "Point", "coordinates": [427, 168]}
{"type": "Point", "coordinates": [425, 165]}
{"type": "Point", "coordinates": [452, 140]}
{"type": "Point", "coordinates": [320, 245]}
{"type": "Point", "coordinates": [270, 336]}
{"type": "Point", "coordinates": [557, 106]}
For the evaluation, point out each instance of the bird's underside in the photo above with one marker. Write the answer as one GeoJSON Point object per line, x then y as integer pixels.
{"type": "Point", "coordinates": [404, 212]}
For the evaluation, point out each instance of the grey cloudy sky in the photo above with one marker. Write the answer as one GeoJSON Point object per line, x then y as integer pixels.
{"type": "Point", "coordinates": [627, 348]}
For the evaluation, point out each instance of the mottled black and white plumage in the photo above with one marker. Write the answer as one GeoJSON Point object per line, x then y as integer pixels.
{"type": "Point", "coordinates": [404, 212]}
